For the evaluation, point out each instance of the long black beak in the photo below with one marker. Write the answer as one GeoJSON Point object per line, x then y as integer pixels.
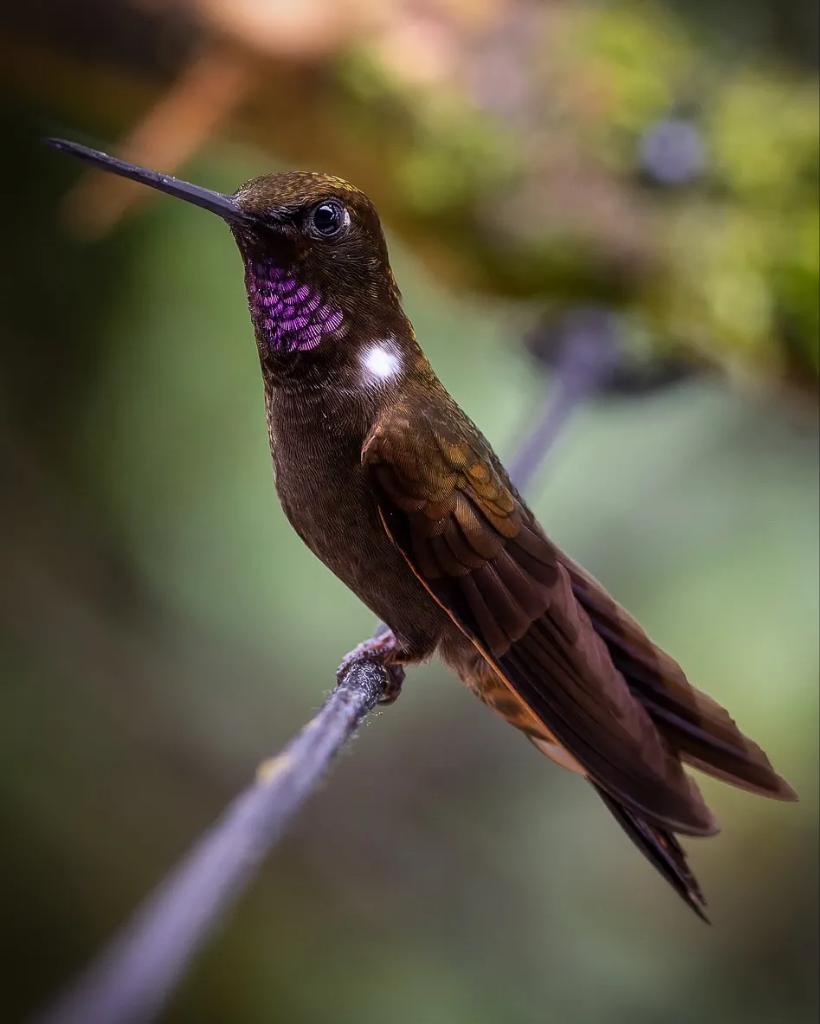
{"type": "Point", "coordinates": [222, 205]}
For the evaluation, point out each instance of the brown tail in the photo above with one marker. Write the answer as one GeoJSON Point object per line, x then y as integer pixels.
{"type": "Point", "coordinates": [697, 727]}
{"type": "Point", "coordinates": [662, 850]}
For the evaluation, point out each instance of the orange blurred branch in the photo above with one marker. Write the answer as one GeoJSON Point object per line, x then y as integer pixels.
{"type": "Point", "coordinates": [206, 93]}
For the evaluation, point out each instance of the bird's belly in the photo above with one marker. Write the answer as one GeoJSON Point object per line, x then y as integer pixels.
{"type": "Point", "coordinates": [489, 686]}
{"type": "Point", "coordinates": [341, 525]}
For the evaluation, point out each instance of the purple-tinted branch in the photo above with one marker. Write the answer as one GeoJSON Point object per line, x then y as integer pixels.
{"type": "Point", "coordinates": [585, 362]}
{"type": "Point", "coordinates": [134, 977]}
{"type": "Point", "coordinates": [132, 980]}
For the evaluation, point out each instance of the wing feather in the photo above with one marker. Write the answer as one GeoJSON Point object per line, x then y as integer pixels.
{"type": "Point", "coordinates": [464, 531]}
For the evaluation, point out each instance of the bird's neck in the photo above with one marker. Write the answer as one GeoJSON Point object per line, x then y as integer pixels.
{"type": "Point", "coordinates": [289, 314]}
{"type": "Point", "coordinates": [331, 359]}
{"type": "Point", "coordinates": [335, 394]}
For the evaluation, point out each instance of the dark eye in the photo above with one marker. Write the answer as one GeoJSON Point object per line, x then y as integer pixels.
{"type": "Point", "coordinates": [329, 219]}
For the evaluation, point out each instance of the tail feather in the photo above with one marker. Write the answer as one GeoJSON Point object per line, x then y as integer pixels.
{"type": "Point", "coordinates": [702, 732]}
{"type": "Point", "coordinates": [662, 850]}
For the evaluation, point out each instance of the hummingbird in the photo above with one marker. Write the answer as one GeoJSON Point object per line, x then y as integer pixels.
{"type": "Point", "coordinates": [396, 490]}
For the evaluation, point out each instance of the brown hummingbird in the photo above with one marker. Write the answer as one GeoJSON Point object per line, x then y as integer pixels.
{"type": "Point", "coordinates": [394, 488]}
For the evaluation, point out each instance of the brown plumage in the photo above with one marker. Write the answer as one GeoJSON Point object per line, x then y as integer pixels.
{"type": "Point", "coordinates": [396, 490]}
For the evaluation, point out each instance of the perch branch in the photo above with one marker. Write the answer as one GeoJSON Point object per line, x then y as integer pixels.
{"type": "Point", "coordinates": [133, 978]}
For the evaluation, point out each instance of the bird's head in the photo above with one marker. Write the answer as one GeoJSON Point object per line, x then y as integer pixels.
{"type": "Point", "coordinates": [317, 271]}
{"type": "Point", "coordinates": [316, 263]}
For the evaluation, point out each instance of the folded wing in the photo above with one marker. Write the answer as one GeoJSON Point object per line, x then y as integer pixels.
{"type": "Point", "coordinates": [470, 539]}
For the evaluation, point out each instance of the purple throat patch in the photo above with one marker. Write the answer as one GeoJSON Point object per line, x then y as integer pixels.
{"type": "Point", "coordinates": [288, 316]}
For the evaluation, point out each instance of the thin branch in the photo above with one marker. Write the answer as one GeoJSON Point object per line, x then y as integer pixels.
{"type": "Point", "coordinates": [135, 976]}
{"type": "Point", "coordinates": [132, 980]}
{"type": "Point", "coordinates": [588, 355]}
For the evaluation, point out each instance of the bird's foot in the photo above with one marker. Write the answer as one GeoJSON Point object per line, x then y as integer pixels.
{"type": "Point", "coordinates": [381, 649]}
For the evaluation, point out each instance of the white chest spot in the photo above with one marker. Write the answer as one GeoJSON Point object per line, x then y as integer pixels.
{"type": "Point", "coordinates": [380, 361]}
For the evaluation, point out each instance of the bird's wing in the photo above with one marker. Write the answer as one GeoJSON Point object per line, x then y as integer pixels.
{"type": "Point", "coordinates": [468, 537]}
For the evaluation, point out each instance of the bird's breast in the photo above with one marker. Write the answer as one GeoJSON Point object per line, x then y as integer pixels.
{"type": "Point", "coordinates": [329, 500]}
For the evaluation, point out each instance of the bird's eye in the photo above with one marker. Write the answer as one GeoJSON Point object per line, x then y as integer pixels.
{"type": "Point", "coordinates": [328, 219]}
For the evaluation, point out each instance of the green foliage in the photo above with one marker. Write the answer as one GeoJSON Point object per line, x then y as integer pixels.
{"type": "Point", "coordinates": [544, 198]}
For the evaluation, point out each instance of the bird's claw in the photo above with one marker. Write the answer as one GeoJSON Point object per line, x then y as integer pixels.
{"type": "Point", "coordinates": [395, 678]}
{"type": "Point", "coordinates": [378, 650]}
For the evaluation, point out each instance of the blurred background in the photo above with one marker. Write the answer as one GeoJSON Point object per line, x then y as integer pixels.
{"type": "Point", "coordinates": [654, 164]}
